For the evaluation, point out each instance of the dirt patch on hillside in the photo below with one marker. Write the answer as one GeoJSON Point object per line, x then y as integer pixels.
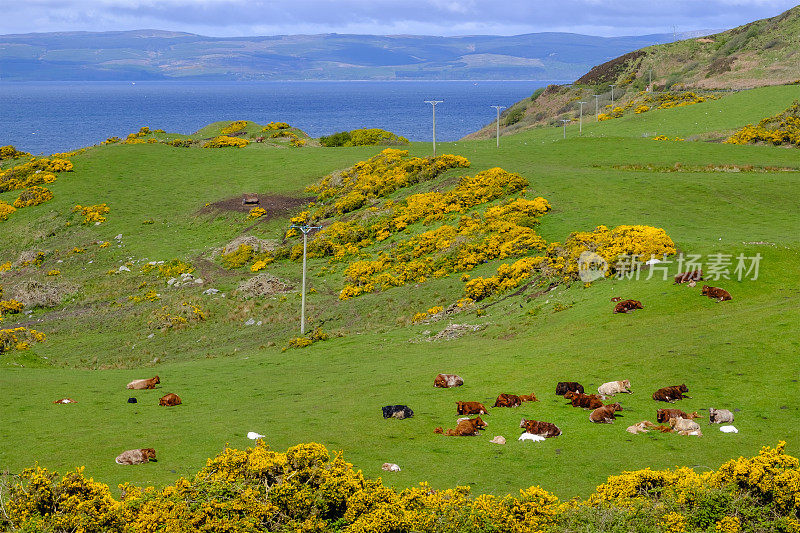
{"type": "Point", "coordinates": [263, 285]}
{"type": "Point", "coordinates": [276, 205]}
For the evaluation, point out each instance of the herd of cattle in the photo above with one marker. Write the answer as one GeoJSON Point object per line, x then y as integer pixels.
{"type": "Point", "coordinates": [690, 278]}
{"type": "Point", "coordinates": [676, 420]}
{"type": "Point", "coordinates": [145, 455]}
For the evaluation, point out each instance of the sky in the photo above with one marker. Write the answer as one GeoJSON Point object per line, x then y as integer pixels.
{"type": "Point", "coordinates": [227, 18]}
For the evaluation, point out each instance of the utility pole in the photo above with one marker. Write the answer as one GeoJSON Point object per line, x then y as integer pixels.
{"type": "Point", "coordinates": [433, 104]}
{"type": "Point", "coordinates": [612, 95]}
{"type": "Point", "coordinates": [305, 229]}
{"type": "Point", "coordinates": [498, 108]}
{"type": "Point", "coordinates": [580, 126]}
{"type": "Point", "coordinates": [565, 120]}
{"type": "Point", "coordinates": [597, 106]}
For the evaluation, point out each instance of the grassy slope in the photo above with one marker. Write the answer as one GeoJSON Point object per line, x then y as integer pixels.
{"type": "Point", "coordinates": [332, 391]}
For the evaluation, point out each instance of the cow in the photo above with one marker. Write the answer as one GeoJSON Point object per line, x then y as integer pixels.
{"type": "Point", "coordinates": [688, 277]}
{"type": "Point", "coordinates": [626, 306]}
{"type": "Point", "coordinates": [640, 427]}
{"type": "Point", "coordinates": [682, 424]}
{"type": "Point", "coordinates": [170, 400]}
{"type": "Point", "coordinates": [471, 408]}
{"type": "Point", "coordinates": [605, 414]}
{"type": "Point", "coordinates": [664, 415]}
{"type": "Point", "coordinates": [616, 299]}
{"type": "Point", "coordinates": [508, 400]}
{"type": "Point", "coordinates": [719, 416]}
{"type": "Point", "coordinates": [467, 428]}
{"type": "Point", "coordinates": [671, 393]}
{"type": "Point", "coordinates": [587, 401]}
{"type": "Point", "coordinates": [615, 387]}
{"type": "Point", "coordinates": [563, 387]}
{"type": "Point", "coordinates": [543, 429]}
{"type": "Point", "coordinates": [397, 411]}
{"type": "Point", "coordinates": [446, 381]}
{"type": "Point", "coordinates": [65, 400]}
{"type": "Point", "coordinates": [715, 293]}
{"type": "Point", "coordinates": [141, 384]}
{"type": "Point", "coordinates": [528, 397]}
{"type": "Point", "coordinates": [136, 457]}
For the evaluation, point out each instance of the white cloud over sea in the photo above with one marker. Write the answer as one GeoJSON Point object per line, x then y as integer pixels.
{"type": "Point", "coordinates": [420, 17]}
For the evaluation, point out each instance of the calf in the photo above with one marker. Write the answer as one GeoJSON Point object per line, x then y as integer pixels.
{"type": "Point", "coordinates": [641, 427]}
{"type": "Point", "coordinates": [528, 397]}
{"type": "Point", "coordinates": [626, 306]}
{"type": "Point", "coordinates": [397, 411]}
{"type": "Point", "coordinates": [563, 387]}
{"type": "Point", "coordinates": [665, 415]}
{"type": "Point", "coordinates": [467, 428]}
{"type": "Point", "coordinates": [605, 414]}
{"type": "Point", "coordinates": [719, 416]}
{"type": "Point", "coordinates": [470, 408]}
{"type": "Point", "coordinates": [615, 387]}
{"type": "Point", "coordinates": [543, 429]}
{"type": "Point", "coordinates": [672, 393]}
{"type": "Point", "coordinates": [65, 400]}
{"type": "Point", "coordinates": [508, 400]}
{"type": "Point", "coordinates": [141, 384]}
{"type": "Point", "coordinates": [136, 457]}
{"type": "Point", "coordinates": [681, 424]}
{"type": "Point", "coordinates": [687, 277]}
{"type": "Point", "coordinates": [715, 293]}
{"type": "Point", "coordinates": [170, 400]}
{"type": "Point", "coordinates": [446, 381]}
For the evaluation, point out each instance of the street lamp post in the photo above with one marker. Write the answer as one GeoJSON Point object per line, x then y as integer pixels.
{"type": "Point", "coordinates": [580, 126]}
{"type": "Point", "coordinates": [305, 229]}
{"type": "Point", "coordinates": [433, 104]}
{"type": "Point", "coordinates": [498, 108]}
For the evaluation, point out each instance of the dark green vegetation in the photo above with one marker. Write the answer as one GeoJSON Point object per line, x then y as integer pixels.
{"type": "Point", "coordinates": [754, 55]}
{"type": "Point", "coordinates": [736, 355]}
{"type": "Point", "coordinates": [153, 55]}
{"type": "Point", "coordinates": [362, 137]}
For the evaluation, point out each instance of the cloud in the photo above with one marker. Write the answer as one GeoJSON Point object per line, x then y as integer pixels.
{"type": "Point", "coordinates": [428, 17]}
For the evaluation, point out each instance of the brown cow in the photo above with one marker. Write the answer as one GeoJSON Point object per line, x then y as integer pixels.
{"type": "Point", "coordinates": [65, 400]}
{"type": "Point", "coordinates": [563, 387]}
{"type": "Point", "coordinates": [141, 384]}
{"type": "Point", "coordinates": [508, 400]}
{"type": "Point", "coordinates": [170, 400]}
{"type": "Point", "coordinates": [626, 306]}
{"type": "Point", "coordinates": [136, 457]}
{"type": "Point", "coordinates": [670, 394]}
{"type": "Point", "coordinates": [605, 414]}
{"type": "Point", "coordinates": [528, 397]}
{"type": "Point", "coordinates": [467, 428]}
{"type": "Point", "coordinates": [685, 277]}
{"type": "Point", "coordinates": [664, 415]}
{"type": "Point", "coordinates": [471, 408]}
{"type": "Point", "coordinates": [715, 293]}
{"type": "Point", "coordinates": [543, 429]}
{"type": "Point", "coordinates": [447, 380]}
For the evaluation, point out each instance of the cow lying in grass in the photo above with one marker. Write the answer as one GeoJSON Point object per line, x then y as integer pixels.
{"type": "Point", "coordinates": [170, 400]}
{"type": "Point", "coordinates": [671, 393]}
{"type": "Point", "coordinates": [715, 293]}
{"type": "Point", "coordinates": [564, 387]}
{"type": "Point", "coordinates": [719, 416]}
{"type": "Point", "coordinates": [513, 400]}
{"type": "Point", "coordinates": [626, 306]}
{"type": "Point", "coordinates": [686, 277]}
{"type": "Point", "coordinates": [470, 408]}
{"type": "Point", "coordinates": [466, 427]}
{"type": "Point", "coordinates": [685, 427]}
{"type": "Point", "coordinates": [665, 415]}
{"type": "Point", "coordinates": [615, 387]}
{"type": "Point", "coordinates": [397, 411]}
{"type": "Point", "coordinates": [446, 381]}
{"type": "Point", "coordinates": [141, 384]}
{"type": "Point", "coordinates": [543, 429]}
{"type": "Point", "coordinates": [136, 457]}
{"type": "Point", "coordinates": [605, 414]}
{"type": "Point", "coordinates": [587, 401]}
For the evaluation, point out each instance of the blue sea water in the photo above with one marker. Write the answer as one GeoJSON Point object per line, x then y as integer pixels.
{"type": "Point", "coordinates": [48, 117]}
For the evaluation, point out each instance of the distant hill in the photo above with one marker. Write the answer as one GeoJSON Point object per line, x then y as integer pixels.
{"type": "Point", "coordinates": [758, 54]}
{"type": "Point", "coordinates": [153, 54]}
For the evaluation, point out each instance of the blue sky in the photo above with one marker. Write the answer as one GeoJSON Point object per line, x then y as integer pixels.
{"type": "Point", "coordinates": [419, 17]}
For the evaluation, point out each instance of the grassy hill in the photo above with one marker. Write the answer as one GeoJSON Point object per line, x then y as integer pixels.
{"type": "Point", "coordinates": [761, 53]}
{"type": "Point", "coordinates": [178, 203]}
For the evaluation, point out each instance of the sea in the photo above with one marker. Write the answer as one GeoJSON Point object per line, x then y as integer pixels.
{"type": "Point", "coordinates": [50, 117]}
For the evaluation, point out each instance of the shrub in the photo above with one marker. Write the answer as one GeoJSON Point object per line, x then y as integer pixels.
{"type": "Point", "coordinates": [19, 339]}
{"type": "Point", "coordinates": [169, 269]}
{"type": "Point", "coordinates": [363, 137]}
{"type": "Point", "coordinates": [238, 258]}
{"type": "Point", "coordinates": [6, 210]}
{"type": "Point", "coordinates": [33, 196]}
{"type": "Point", "coordinates": [276, 126]}
{"type": "Point", "coordinates": [514, 115]}
{"type": "Point", "coordinates": [9, 152]}
{"type": "Point", "coordinates": [92, 214]}
{"type": "Point", "coordinates": [233, 127]}
{"type": "Point", "coordinates": [224, 141]}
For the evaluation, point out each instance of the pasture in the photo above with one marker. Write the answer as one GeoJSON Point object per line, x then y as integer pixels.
{"type": "Point", "coordinates": [739, 355]}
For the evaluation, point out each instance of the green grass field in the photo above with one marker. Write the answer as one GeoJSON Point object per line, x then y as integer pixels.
{"type": "Point", "coordinates": [234, 378]}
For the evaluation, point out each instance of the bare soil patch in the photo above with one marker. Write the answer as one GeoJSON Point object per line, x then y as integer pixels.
{"type": "Point", "coordinates": [276, 205]}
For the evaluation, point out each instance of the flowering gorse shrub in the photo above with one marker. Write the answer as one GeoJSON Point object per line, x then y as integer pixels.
{"type": "Point", "coordinates": [239, 257]}
{"type": "Point", "coordinates": [168, 269]}
{"type": "Point", "coordinates": [363, 137]}
{"type": "Point", "coordinates": [783, 128]}
{"type": "Point", "coordinates": [308, 339]}
{"type": "Point", "coordinates": [234, 127]}
{"type": "Point", "coordinates": [9, 152]}
{"type": "Point", "coordinates": [256, 212]}
{"type": "Point", "coordinates": [186, 314]}
{"type": "Point", "coordinates": [272, 126]}
{"type": "Point", "coordinates": [36, 171]}
{"type": "Point", "coordinates": [19, 339]}
{"type": "Point", "coordinates": [33, 196]}
{"type": "Point", "coordinates": [148, 296]}
{"type": "Point", "coordinates": [6, 210]}
{"type": "Point", "coordinates": [92, 214]}
{"type": "Point", "coordinates": [225, 141]}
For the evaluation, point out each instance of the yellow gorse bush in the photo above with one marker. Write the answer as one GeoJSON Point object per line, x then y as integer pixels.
{"type": "Point", "coordinates": [276, 126]}
{"type": "Point", "coordinates": [6, 210]}
{"type": "Point", "coordinates": [224, 141]}
{"type": "Point", "coordinates": [19, 338]}
{"type": "Point", "coordinates": [783, 128]}
{"type": "Point", "coordinates": [33, 196]}
{"type": "Point", "coordinates": [256, 212]}
{"type": "Point", "coordinates": [234, 127]}
{"type": "Point", "coordinates": [37, 171]}
{"type": "Point", "coordinates": [169, 269]}
{"type": "Point", "coordinates": [10, 152]}
{"type": "Point", "coordinates": [92, 214]}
